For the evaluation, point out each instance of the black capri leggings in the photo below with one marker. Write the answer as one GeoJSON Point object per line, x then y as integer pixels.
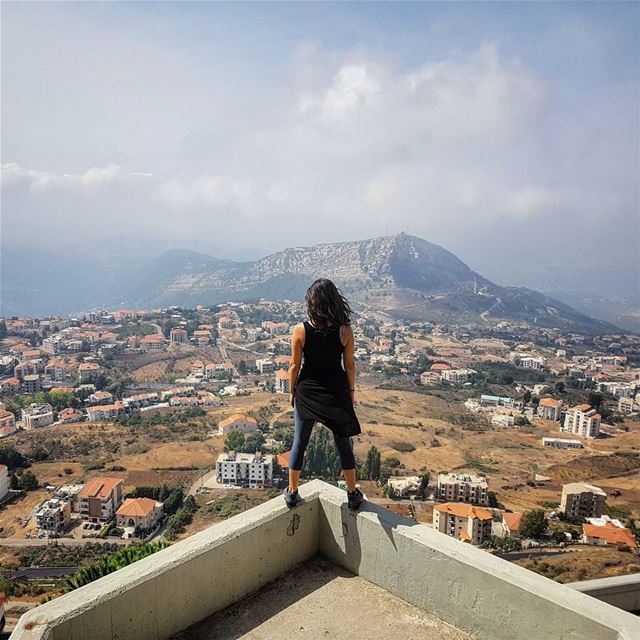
{"type": "Point", "coordinates": [301, 437]}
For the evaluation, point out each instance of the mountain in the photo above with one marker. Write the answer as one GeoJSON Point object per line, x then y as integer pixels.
{"type": "Point", "coordinates": [402, 275]}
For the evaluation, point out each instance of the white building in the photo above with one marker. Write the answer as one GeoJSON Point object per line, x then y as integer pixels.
{"type": "Point", "coordinates": [463, 488]}
{"type": "Point", "coordinates": [282, 382]}
{"type": "Point", "coordinates": [265, 366]}
{"type": "Point", "coordinates": [253, 470]}
{"type": "Point", "coordinates": [405, 485]}
{"type": "Point", "coordinates": [139, 512]}
{"type": "Point", "coordinates": [629, 405]}
{"type": "Point", "coordinates": [4, 481]}
{"type": "Point", "coordinates": [549, 409]}
{"type": "Point", "coordinates": [37, 415]}
{"type": "Point", "coordinates": [53, 515]}
{"type": "Point", "coordinates": [583, 420]}
{"type": "Point", "coordinates": [561, 443]}
{"type": "Point", "coordinates": [503, 420]}
{"type": "Point", "coordinates": [530, 362]}
{"type": "Point", "coordinates": [582, 500]}
{"type": "Point", "coordinates": [457, 376]}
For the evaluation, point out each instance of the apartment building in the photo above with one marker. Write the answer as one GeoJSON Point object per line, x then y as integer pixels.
{"type": "Point", "coordinates": [282, 362]}
{"type": "Point", "coordinates": [582, 420]}
{"type": "Point", "coordinates": [462, 521]}
{"type": "Point", "coordinates": [430, 378]}
{"type": "Point", "coordinates": [31, 383]}
{"type": "Point", "coordinates": [88, 372]}
{"type": "Point", "coordinates": [37, 415]}
{"type": "Point", "coordinates": [282, 383]}
{"type": "Point", "coordinates": [56, 370]}
{"type": "Point", "coordinates": [582, 500]}
{"type": "Point", "coordinates": [629, 405]}
{"type": "Point", "coordinates": [550, 409]}
{"type": "Point", "coordinates": [202, 337]}
{"type": "Point", "coordinates": [530, 362]}
{"type": "Point", "coordinates": [153, 342]}
{"type": "Point", "coordinates": [179, 335]}
{"type": "Point", "coordinates": [54, 515]}
{"type": "Point", "coordinates": [404, 486]}
{"type": "Point", "coordinates": [463, 488]}
{"type": "Point", "coordinates": [139, 512]}
{"type": "Point", "coordinates": [10, 385]}
{"type": "Point", "coordinates": [100, 397]}
{"type": "Point", "coordinates": [100, 498]}
{"type": "Point", "coordinates": [70, 415]}
{"type": "Point", "coordinates": [456, 376]}
{"type": "Point", "coordinates": [238, 422]}
{"type": "Point", "coordinates": [104, 412]}
{"type": "Point", "coordinates": [253, 470]}
{"type": "Point", "coordinates": [264, 366]}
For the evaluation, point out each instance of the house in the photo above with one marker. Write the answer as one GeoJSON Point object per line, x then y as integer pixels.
{"type": "Point", "coordinates": [609, 534]}
{"type": "Point", "coordinates": [253, 470]}
{"type": "Point", "coordinates": [403, 486]}
{"type": "Point", "coordinates": [583, 420]}
{"type": "Point", "coordinates": [70, 415]}
{"type": "Point", "coordinates": [529, 362]}
{"type": "Point", "coordinates": [139, 512]}
{"type": "Point", "coordinates": [37, 415]}
{"type": "Point", "coordinates": [430, 378]}
{"type": "Point", "coordinates": [10, 385]}
{"type": "Point", "coordinates": [549, 409]}
{"type": "Point", "coordinates": [462, 521]}
{"type": "Point", "coordinates": [582, 500]}
{"type": "Point", "coordinates": [88, 372]}
{"type": "Point", "coordinates": [153, 342]}
{"type": "Point", "coordinates": [463, 488]}
{"type": "Point", "coordinates": [628, 405]}
{"type": "Point", "coordinates": [4, 481]}
{"type": "Point", "coordinates": [104, 412]}
{"type": "Point", "coordinates": [53, 515]}
{"type": "Point", "coordinates": [561, 443]}
{"type": "Point", "coordinates": [282, 362]}
{"type": "Point", "coordinates": [457, 376]}
{"type": "Point", "coordinates": [238, 422]}
{"type": "Point", "coordinates": [7, 423]}
{"type": "Point", "coordinates": [282, 382]}
{"type": "Point", "coordinates": [56, 370]}
{"type": "Point", "coordinates": [202, 337]}
{"type": "Point", "coordinates": [100, 498]}
{"type": "Point", "coordinates": [100, 397]}
{"type": "Point", "coordinates": [511, 523]}
{"type": "Point", "coordinates": [264, 366]}
{"type": "Point", "coordinates": [178, 335]}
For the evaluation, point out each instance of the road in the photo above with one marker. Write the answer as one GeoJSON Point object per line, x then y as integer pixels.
{"type": "Point", "coordinates": [69, 542]}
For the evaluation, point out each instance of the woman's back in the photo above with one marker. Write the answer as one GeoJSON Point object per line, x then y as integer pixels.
{"type": "Point", "coordinates": [322, 351]}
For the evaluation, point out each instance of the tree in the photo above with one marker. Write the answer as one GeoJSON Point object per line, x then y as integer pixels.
{"type": "Point", "coordinates": [234, 441]}
{"type": "Point", "coordinates": [533, 524]}
{"type": "Point", "coordinates": [424, 483]}
{"type": "Point", "coordinates": [371, 469]}
{"type": "Point", "coordinates": [560, 388]}
{"type": "Point", "coordinates": [242, 367]}
{"type": "Point", "coordinates": [3, 329]}
{"type": "Point", "coordinates": [252, 443]}
{"type": "Point", "coordinates": [28, 481]}
{"type": "Point", "coordinates": [595, 400]}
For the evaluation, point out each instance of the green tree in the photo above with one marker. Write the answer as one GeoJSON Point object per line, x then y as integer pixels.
{"type": "Point", "coordinates": [560, 387]}
{"type": "Point", "coordinates": [371, 469]}
{"type": "Point", "coordinates": [234, 441]}
{"type": "Point", "coordinates": [242, 367]}
{"type": "Point", "coordinates": [3, 329]}
{"type": "Point", "coordinates": [533, 524]}
{"type": "Point", "coordinates": [252, 443]}
{"type": "Point", "coordinates": [595, 400]}
{"type": "Point", "coordinates": [28, 481]}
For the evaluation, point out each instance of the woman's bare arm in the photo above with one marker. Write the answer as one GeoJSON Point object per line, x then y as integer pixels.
{"type": "Point", "coordinates": [348, 359]}
{"type": "Point", "coordinates": [297, 342]}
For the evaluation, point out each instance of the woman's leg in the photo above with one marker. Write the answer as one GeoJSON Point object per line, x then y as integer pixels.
{"type": "Point", "coordinates": [347, 461]}
{"type": "Point", "coordinates": [303, 429]}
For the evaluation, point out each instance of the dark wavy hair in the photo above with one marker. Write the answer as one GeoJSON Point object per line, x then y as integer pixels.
{"type": "Point", "coordinates": [326, 306]}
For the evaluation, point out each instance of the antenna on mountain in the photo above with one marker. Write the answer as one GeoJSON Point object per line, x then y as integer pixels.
{"type": "Point", "coordinates": [386, 230]}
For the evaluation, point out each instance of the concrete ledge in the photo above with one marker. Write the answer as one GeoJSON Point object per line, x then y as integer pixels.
{"type": "Point", "coordinates": [174, 589]}
{"type": "Point", "coordinates": [620, 591]}
{"type": "Point", "coordinates": [177, 587]}
{"type": "Point", "coordinates": [464, 586]}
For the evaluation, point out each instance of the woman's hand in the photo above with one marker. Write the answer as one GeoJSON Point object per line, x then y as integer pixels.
{"type": "Point", "coordinates": [352, 393]}
{"type": "Point", "coordinates": [291, 398]}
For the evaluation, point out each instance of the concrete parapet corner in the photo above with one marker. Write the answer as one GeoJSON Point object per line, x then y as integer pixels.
{"type": "Point", "coordinates": [474, 592]}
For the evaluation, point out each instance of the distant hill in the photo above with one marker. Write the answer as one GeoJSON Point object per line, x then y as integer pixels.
{"type": "Point", "coordinates": [402, 275]}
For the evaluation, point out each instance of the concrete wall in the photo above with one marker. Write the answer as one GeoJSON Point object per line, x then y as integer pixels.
{"type": "Point", "coordinates": [620, 591]}
{"type": "Point", "coordinates": [462, 585]}
{"type": "Point", "coordinates": [174, 589]}
{"type": "Point", "coordinates": [177, 587]}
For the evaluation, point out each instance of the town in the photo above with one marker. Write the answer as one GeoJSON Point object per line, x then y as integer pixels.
{"type": "Point", "coordinates": [130, 427]}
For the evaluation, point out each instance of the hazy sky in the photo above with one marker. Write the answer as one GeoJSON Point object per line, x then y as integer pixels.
{"type": "Point", "coordinates": [507, 132]}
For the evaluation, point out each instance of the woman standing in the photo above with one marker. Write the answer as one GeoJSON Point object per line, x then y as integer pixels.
{"type": "Point", "coordinates": [322, 390]}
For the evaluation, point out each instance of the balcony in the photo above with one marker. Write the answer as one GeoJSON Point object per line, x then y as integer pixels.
{"type": "Point", "coordinates": [369, 575]}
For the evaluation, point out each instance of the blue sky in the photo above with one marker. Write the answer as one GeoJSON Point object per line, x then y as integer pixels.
{"type": "Point", "coordinates": [484, 127]}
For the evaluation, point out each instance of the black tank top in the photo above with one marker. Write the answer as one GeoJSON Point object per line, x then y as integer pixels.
{"type": "Point", "coordinates": [322, 353]}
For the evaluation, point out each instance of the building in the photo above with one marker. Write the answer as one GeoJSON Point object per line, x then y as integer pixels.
{"type": "Point", "coordinates": [103, 412]}
{"type": "Point", "coordinates": [100, 397]}
{"type": "Point", "coordinates": [403, 486]}
{"type": "Point", "coordinates": [549, 409]}
{"type": "Point", "coordinates": [202, 337]}
{"type": "Point", "coordinates": [511, 523]}
{"type": "Point", "coordinates": [51, 345]}
{"type": "Point", "coordinates": [153, 342]}
{"type": "Point", "coordinates": [497, 401]}
{"type": "Point", "coordinates": [463, 522]}
{"type": "Point", "coordinates": [529, 362]}
{"type": "Point", "coordinates": [88, 372]}
{"type": "Point", "coordinates": [37, 415]}
{"type": "Point", "coordinates": [561, 443]}
{"type": "Point", "coordinates": [264, 366]}
{"type": "Point", "coordinates": [139, 512]}
{"type": "Point", "coordinates": [4, 481]}
{"type": "Point", "coordinates": [179, 335]}
{"type": "Point", "coordinates": [31, 383]}
{"type": "Point", "coordinates": [608, 534]}
{"type": "Point", "coordinates": [70, 415]}
{"type": "Point", "coordinates": [282, 362]}
{"type": "Point", "coordinates": [582, 500]}
{"type": "Point", "coordinates": [503, 420]}
{"type": "Point", "coordinates": [628, 405]}
{"type": "Point", "coordinates": [100, 498]}
{"type": "Point", "coordinates": [583, 420]}
{"type": "Point", "coordinates": [56, 370]}
{"type": "Point", "coordinates": [53, 515]}
{"type": "Point", "coordinates": [463, 488]}
{"type": "Point", "coordinates": [282, 382]}
{"type": "Point", "coordinates": [238, 422]}
{"type": "Point", "coordinates": [7, 423]}
{"type": "Point", "coordinates": [457, 376]}
{"type": "Point", "coordinates": [253, 470]}
{"type": "Point", "coordinates": [10, 385]}
{"type": "Point", "coordinates": [430, 378]}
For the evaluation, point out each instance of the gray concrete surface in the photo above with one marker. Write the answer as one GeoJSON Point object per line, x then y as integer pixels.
{"type": "Point", "coordinates": [620, 591]}
{"type": "Point", "coordinates": [320, 600]}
